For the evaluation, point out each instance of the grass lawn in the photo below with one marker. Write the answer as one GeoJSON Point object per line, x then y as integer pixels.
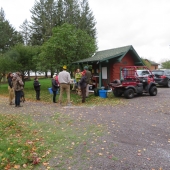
{"type": "Point", "coordinates": [26, 144]}
{"type": "Point", "coordinates": [47, 97]}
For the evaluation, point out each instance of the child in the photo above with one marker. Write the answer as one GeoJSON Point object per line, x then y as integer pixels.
{"type": "Point", "coordinates": [54, 88]}
{"type": "Point", "coordinates": [37, 88]}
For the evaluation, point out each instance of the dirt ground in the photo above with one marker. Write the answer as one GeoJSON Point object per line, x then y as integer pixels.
{"type": "Point", "coordinates": [137, 132]}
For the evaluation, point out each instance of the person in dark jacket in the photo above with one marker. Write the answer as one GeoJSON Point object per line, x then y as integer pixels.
{"type": "Point", "coordinates": [37, 88]}
{"type": "Point", "coordinates": [55, 87]}
{"type": "Point", "coordinates": [10, 88]}
{"type": "Point", "coordinates": [83, 84]}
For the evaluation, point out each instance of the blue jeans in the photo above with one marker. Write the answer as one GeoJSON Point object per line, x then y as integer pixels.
{"type": "Point", "coordinates": [17, 98]}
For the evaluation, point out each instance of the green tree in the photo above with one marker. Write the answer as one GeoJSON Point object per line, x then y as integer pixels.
{"type": "Point", "coordinates": [147, 64]}
{"type": "Point", "coordinates": [87, 21]}
{"type": "Point", "coordinates": [47, 14]}
{"type": "Point", "coordinates": [66, 45]}
{"type": "Point", "coordinates": [60, 13]}
{"type": "Point", "coordinates": [23, 57]}
{"type": "Point", "coordinates": [25, 32]}
{"type": "Point", "coordinates": [166, 64]}
{"type": "Point", "coordinates": [43, 20]}
{"type": "Point", "coordinates": [9, 36]}
{"type": "Point", "coordinates": [71, 12]}
{"type": "Point", "coordinates": [6, 65]}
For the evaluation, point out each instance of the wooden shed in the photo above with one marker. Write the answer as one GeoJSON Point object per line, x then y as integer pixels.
{"type": "Point", "coordinates": [106, 64]}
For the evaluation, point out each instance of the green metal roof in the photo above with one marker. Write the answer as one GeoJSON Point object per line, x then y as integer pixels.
{"type": "Point", "coordinates": [116, 53]}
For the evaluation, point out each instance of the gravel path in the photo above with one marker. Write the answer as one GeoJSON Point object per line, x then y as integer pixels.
{"type": "Point", "coordinates": [137, 132]}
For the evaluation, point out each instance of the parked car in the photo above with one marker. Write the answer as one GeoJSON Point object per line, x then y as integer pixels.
{"type": "Point", "coordinates": [143, 73]}
{"type": "Point", "coordinates": [162, 77]}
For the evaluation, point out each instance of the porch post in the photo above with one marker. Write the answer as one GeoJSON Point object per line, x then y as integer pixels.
{"type": "Point", "coordinates": [100, 75]}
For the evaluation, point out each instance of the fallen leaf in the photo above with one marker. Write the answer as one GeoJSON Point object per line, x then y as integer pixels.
{"type": "Point", "coordinates": [45, 163]}
{"type": "Point", "coordinates": [24, 165]}
{"type": "Point", "coordinates": [17, 166]}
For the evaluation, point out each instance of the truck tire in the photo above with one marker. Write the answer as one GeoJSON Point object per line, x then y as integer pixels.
{"type": "Point", "coordinates": [153, 91]}
{"type": "Point", "coordinates": [129, 93]}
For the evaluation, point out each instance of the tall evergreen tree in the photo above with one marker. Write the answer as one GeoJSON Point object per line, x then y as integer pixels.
{"type": "Point", "coordinates": [8, 35]}
{"type": "Point", "coordinates": [60, 13]}
{"type": "Point", "coordinates": [43, 20]}
{"type": "Point", "coordinates": [87, 21]}
{"type": "Point", "coordinates": [25, 32]}
{"type": "Point", "coordinates": [71, 12]}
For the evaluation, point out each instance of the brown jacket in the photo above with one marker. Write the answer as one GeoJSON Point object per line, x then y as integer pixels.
{"type": "Point", "coordinates": [17, 83]}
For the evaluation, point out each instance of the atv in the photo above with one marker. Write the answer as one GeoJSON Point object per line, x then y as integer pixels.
{"type": "Point", "coordinates": [135, 80]}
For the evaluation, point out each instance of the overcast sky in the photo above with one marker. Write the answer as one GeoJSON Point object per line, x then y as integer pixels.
{"type": "Point", "coordinates": [144, 24]}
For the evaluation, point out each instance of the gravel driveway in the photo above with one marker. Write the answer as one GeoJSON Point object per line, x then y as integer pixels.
{"type": "Point", "coordinates": [137, 132]}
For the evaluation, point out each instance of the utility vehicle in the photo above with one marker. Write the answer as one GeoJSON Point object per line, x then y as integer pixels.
{"type": "Point", "coordinates": [135, 80]}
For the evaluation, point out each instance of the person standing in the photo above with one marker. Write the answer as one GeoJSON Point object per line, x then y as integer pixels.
{"type": "Point", "coordinates": [37, 88]}
{"type": "Point", "coordinates": [78, 76]}
{"type": "Point", "coordinates": [18, 86]}
{"type": "Point", "coordinates": [64, 80]}
{"type": "Point", "coordinates": [88, 79]}
{"type": "Point", "coordinates": [55, 87]}
{"type": "Point", "coordinates": [10, 88]}
{"type": "Point", "coordinates": [56, 78]}
{"type": "Point", "coordinates": [83, 84]}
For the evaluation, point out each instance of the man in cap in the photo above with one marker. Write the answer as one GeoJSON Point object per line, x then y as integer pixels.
{"type": "Point", "coordinates": [64, 80]}
{"type": "Point", "coordinates": [88, 79]}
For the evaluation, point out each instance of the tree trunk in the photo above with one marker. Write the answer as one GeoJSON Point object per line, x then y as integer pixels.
{"type": "Point", "coordinates": [29, 75]}
{"type": "Point", "coordinates": [3, 77]}
{"type": "Point", "coordinates": [46, 76]}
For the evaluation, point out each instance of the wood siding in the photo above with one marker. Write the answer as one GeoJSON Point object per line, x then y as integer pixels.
{"type": "Point", "coordinates": [115, 68]}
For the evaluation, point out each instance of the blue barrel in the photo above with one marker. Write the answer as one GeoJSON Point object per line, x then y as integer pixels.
{"type": "Point", "coordinates": [103, 93]}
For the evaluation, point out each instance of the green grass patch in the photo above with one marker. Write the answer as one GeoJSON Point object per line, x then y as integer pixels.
{"type": "Point", "coordinates": [47, 97]}
{"type": "Point", "coordinates": [18, 142]}
{"type": "Point", "coordinates": [26, 144]}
